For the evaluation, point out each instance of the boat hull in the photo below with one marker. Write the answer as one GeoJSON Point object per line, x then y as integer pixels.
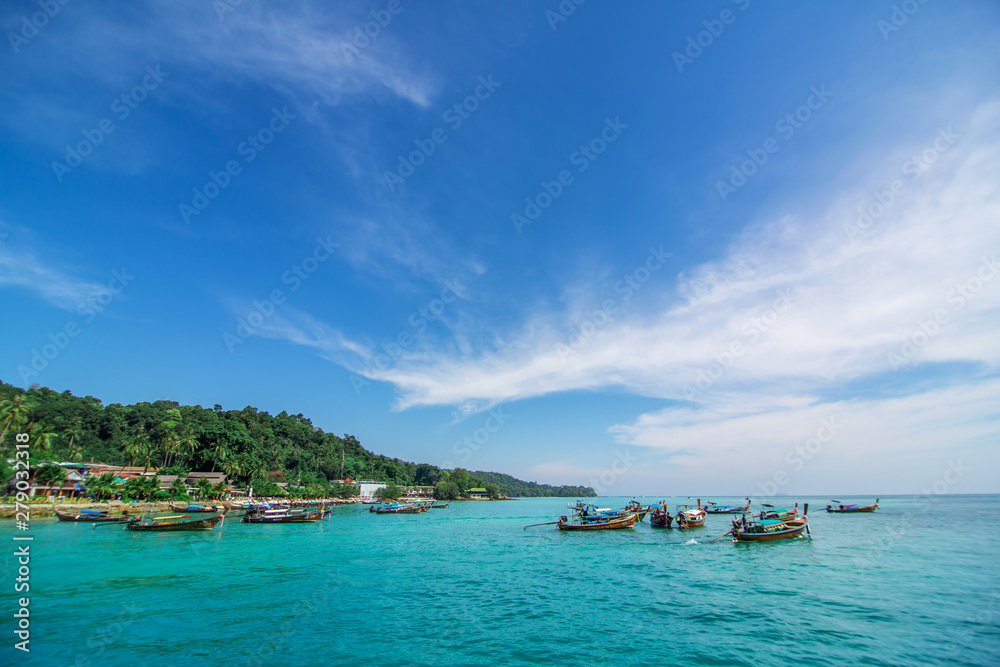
{"type": "Point", "coordinates": [854, 510]}
{"type": "Point", "coordinates": [787, 534]}
{"type": "Point", "coordinates": [611, 524]}
{"type": "Point", "coordinates": [83, 518]}
{"type": "Point", "coordinates": [690, 519]}
{"type": "Point", "coordinates": [206, 524]}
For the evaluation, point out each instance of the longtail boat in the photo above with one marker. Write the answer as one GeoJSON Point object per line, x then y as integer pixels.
{"type": "Point", "coordinates": [588, 510]}
{"type": "Point", "coordinates": [690, 517]}
{"type": "Point", "coordinates": [715, 508]}
{"type": "Point", "coordinates": [773, 514]}
{"type": "Point", "coordinates": [439, 507]}
{"type": "Point", "coordinates": [393, 508]}
{"type": "Point", "coordinates": [660, 518]}
{"type": "Point", "coordinates": [596, 523]}
{"type": "Point", "coordinates": [175, 522]}
{"type": "Point", "coordinates": [91, 516]}
{"type": "Point", "coordinates": [640, 511]}
{"type": "Point", "coordinates": [285, 515]}
{"type": "Point", "coordinates": [767, 530]}
{"type": "Point", "coordinates": [193, 508]}
{"type": "Point", "coordinates": [847, 509]}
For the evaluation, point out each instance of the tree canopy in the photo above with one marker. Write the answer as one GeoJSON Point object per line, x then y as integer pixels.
{"type": "Point", "coordinates": [249, 445]}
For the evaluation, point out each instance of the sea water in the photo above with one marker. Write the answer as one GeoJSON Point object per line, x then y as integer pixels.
{"type": "Point", "coordinates": [915, 583]}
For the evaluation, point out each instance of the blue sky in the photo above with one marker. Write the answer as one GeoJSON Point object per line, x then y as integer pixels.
{"type": "Point", "coordinates": [732, 248]}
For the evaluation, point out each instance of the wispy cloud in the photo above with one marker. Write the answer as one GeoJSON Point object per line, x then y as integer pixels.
{"type": "Point", "coordinates": [854, 302]}
{"type": "Point", "coordinates": [20, 267]}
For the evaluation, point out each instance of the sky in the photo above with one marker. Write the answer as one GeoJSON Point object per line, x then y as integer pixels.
{"type": "Point", "coordinates": [730, 248]}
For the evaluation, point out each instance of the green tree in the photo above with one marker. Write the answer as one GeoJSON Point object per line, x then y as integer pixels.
{"type": "Point", "coordinates": [446, 490]}
{"type": "Point", "coordinates": [50, 475]}
{"type": "Point", "coordinates": [389, 492]}
{"type": "Point", "coordinates": [101, 487]}
{"type": "Point", "coordinates": [178, 491]}
{"type": "Point", "coordinates": [14, 414]}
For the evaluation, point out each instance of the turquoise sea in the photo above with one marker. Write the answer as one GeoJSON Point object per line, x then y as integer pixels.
{"type": "Point", "coordinates": [917, 583]}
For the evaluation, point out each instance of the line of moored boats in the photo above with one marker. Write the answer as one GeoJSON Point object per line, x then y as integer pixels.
{"type": "Point", "coordinates": [767, 525]}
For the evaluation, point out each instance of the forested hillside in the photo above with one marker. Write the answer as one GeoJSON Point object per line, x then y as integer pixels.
{"type": "Point", "coordinates": [246, 444]}
{"type": "Point", "coordinates": [521, 489]}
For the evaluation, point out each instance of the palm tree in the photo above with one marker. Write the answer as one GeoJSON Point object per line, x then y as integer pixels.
{"type": "Point", "coordinates": [219, 452]}
{"type": "Point", "coordinates": [14, 413]}
{"type": "Point", "coordinates": [101, 486]}
{"type": "Point", "coordinates": [41, 437]}
{"type": "Point", "coordinates": [170, 444]}
{"type": "Point", "coordinates": [205, 488]}
{"type": "Point", "coordinates": [73, 451]}
{"type": "Point", "coordinates": [147, 454]}
{"type": "Point", "coordinates": [178, 491]}
{"type": "Point", "coordinates": [187, 444]}
{"type": "Point", "coordinates": [50, 475]}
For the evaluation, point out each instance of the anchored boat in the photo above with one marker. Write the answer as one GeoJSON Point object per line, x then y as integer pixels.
{"type": "Point", "coordinates": [767, 530]}
{"type": "Point", "coordinates": [660, 518]}
{"type": "Point", "coordinates": [596, 522]}
{"type": "Point", "coordinates": [848, 509]}
{"type": "Point", "coordinates": [93, 516]}
{"type": "Point", "coordinates": [174, 523]}
{"type": "Point", "coordinates": [715, 508]}
{"type": "Point", "coordinates": [285, 515]}
{"type": "Point", "coordinates": [690, 517]}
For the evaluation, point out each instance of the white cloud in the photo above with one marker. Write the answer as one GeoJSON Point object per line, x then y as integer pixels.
{"type": "Point", "coordinates": [20, 267]}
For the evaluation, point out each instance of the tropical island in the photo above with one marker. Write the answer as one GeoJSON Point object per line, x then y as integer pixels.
{"type": "Point", "coordinates": [175, 452]}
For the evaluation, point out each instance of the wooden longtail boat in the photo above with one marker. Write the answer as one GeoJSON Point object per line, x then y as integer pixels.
{"type": "Point", "coordinates": [715, 508]}
{"type": "Point", "coordinates": [767, 530]}
{"type": "Point", "coordinates": [660, 518]}
{"type": "Point", "coordinates": [194, 509]}
{"type": "Point", "coordinates": [693, 517]}
{"type": "Point", "coordinates": [285, 515]}
{"type": "Point", "coordinates": [92, 516]}
{"type": "Point", "coordinates": [776, 514]}
{"type": "Point", "coordinates": [640, 511]}
{"type": "Point", "coordinates": [439, 507]}
{"type": "Point", "coordinates": [849, 509]}
{"type": "Point", "coordinates": [597, 523]}
{"type": "Point", "coordinates": [175, 522]}
{"type": "Point", "coordinates": [399, 509]}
